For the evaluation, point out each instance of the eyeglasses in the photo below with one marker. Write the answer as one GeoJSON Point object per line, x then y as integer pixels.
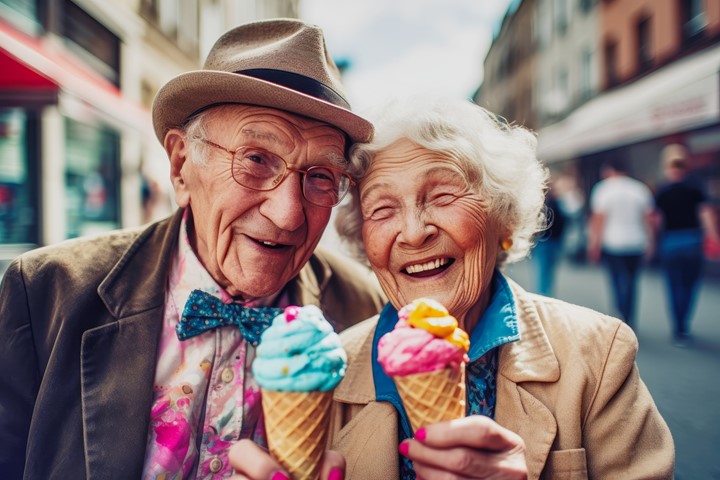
{"type": "Point", "coordinates": [258, 169]}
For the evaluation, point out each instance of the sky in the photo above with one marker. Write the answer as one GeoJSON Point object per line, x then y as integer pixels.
{"type": "Point", "coordinates": [398, 48]}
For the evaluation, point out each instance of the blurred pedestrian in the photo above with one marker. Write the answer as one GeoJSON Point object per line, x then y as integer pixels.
{"type": "Point", "coordinates": [620, 232]}
{"type": "Point", "coordinates": [549, 245]}
{"type": "Point", "coordinates": [683, 218]}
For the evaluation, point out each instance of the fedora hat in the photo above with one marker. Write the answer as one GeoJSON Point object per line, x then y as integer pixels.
{"type": "Point", "coordinates": [279, 63]}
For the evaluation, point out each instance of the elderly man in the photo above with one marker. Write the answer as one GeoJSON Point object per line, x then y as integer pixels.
{"type": "Point", "coordinates": [111, 365]}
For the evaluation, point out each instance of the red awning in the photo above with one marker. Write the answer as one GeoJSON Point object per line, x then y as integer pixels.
{"type": "Point", "coordinates": [30, 63]}
{"type": "Point", "coordinates": [18, 76]}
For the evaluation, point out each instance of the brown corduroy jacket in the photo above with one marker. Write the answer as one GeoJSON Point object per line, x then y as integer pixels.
{"type": "Point", "coordinates": [79, 327]}
{"type": "Point", "coordinates": [569, 387]}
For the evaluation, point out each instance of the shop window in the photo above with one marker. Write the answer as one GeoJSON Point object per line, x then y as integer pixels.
{"type": "Point", "coordinates": [561, 16]}
{"type": "Point", "coordinates": [611, 73]}
{"type": "Point", "coordinates": [18, 177]}
{"type": "Point", "coordinates": [585, 5]}
{"type": "Point", "coordinates": [644, 44]}
{"type": "Point", "coordinates": [176, 19]}
{"type": "Point", "coordinates": [92, 179]}
{"type": "Point", "coordinates": [90, 40]}
{"type": "Point", "coordinates": [586, 67]}
{"type": "Point", "coordinates": [24, 14]}
{"type": "Point", "coordinates": [693, 21]}
{"type": "Point", "coordinates": [149, 9]}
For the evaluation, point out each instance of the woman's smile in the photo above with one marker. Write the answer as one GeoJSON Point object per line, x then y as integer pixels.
{"type": "Point", "coordinates": [429, 268]}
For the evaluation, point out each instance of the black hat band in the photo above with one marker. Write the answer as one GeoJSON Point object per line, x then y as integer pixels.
{"type": "Point", "coordinates": [297, 82]}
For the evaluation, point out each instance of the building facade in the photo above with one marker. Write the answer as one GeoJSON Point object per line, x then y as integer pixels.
{"type": "Point", "coordinates": [619, 78]}
{"type": "Point", "coordinates": [77, 150]}
{"type": "Point", "coordinates": [659, 84]}
{"type": "Point", "coordinates": [510, 67]}
{"type": "Point", "coordinates": [567, 39]}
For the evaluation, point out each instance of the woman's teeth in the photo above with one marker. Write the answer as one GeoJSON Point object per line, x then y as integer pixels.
{"type": "Point", "coordinates": [423, 267]}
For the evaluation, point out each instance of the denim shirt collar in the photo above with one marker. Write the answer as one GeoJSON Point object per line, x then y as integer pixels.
{"type": "Point", "coordinates": [497, 326]}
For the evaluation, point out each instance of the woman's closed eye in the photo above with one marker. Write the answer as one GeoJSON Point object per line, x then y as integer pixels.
{"type": "Point", "coordinates": [443, 198]}
{"type": "Point", "coordinates": [379, 212]}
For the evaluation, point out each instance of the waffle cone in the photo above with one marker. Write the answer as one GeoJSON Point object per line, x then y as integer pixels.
{"type": "Point", "coordinates": [296, 425]}
{"type": "Point", "coordinates": [432, 397]}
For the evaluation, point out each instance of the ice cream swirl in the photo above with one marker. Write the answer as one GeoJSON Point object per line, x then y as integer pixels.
{"type": "Point", "coordinates": [299, 352]}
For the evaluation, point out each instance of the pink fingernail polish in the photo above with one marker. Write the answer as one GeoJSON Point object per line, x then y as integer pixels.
{"type": "Point", "coordinates": [280, 476]}
{"type": "Point", "coordinates": [335, 474]}
{"type": "Point", "coordinates": [403, 448]}
{"type": "Point", "coordinates": [420, 435]}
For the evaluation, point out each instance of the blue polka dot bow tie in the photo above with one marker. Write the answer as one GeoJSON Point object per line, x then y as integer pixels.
{"type": "Point", "coordinates": [204, 312]}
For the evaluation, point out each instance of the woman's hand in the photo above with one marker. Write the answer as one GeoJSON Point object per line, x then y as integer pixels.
{"type": "Point", "coordinates": [471, 447]}
{"type": "Point", "coordinates": [250, 461]}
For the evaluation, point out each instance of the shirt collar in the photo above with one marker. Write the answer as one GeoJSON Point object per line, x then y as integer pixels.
{"type": "Point", "coordinates": [499, 323]}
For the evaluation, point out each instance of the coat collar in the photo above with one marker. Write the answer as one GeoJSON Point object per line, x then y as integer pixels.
{"type": "Point", "coordinates": [311, 282]}
{"type": "Point", "coordinates": [532, 359]}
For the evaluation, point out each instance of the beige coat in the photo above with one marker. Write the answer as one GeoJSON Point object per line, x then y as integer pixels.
{"type": "Point", "coordinates": [569, 387]}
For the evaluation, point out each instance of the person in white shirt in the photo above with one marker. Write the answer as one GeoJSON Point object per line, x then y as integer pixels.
{"type": "Point", "coordinates": [620, 232]}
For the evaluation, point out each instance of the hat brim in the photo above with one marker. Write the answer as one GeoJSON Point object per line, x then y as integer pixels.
{"type": "Point", "coordinates": [192, 91]}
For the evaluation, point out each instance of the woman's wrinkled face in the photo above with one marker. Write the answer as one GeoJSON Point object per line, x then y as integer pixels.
{"type": "Point", "coordinates": [253, 242]}
{"type": "Point", "coordinates": [426, 231]}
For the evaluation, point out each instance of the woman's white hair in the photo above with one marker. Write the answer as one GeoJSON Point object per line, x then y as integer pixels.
{"type": "Point", "coordinates": [498, 159]}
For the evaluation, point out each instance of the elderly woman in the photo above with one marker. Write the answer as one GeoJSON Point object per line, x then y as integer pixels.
{"type": "Point", "coordinates": [448, 196]}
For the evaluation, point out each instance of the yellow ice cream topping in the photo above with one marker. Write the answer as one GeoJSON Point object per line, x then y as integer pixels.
{"type": "Point", "coordinates": [459, 338]}
{"type": "Point", "coordinates": [433, 317]}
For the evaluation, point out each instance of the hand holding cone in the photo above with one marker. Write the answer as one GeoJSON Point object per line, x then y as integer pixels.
{"type": "Point", "coordinates": [299, 362]}
{"type": "Point", "coordinates": [425, 355]}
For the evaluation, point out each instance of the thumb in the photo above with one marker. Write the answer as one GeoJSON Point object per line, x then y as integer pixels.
{"type": "Point", "coordinates": [333, 466]}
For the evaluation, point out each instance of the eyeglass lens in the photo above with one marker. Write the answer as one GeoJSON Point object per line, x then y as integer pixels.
{"type": "Point", "coordinates": [261, 170]}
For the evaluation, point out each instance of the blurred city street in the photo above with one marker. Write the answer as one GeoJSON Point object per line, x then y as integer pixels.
{"type": "Point", "coordinates": [595, 82]}
{"type": "Point", "coordinates": [683, 381]}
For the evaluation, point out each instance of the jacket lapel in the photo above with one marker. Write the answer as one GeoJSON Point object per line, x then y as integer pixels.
{"type": "Point", "coordinates": [531, 359]}
{"type": "Point", "coordinates": [118, 359]}
{"type": "Point", "coordinates": [311, 281]}
{"type": "Point", "coordinates": [376, 427]}
{"type": "Point", "coordinates": [358, 386]}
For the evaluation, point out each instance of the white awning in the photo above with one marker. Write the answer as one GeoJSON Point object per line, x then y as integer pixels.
{"type": "Point", "coordinates": [682, 96]}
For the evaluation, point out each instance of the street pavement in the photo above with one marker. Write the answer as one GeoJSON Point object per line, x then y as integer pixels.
{"type": "Point", "coordinates": [685, 382]}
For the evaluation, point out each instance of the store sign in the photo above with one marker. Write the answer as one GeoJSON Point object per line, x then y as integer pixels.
{"type": "Point", "coordinates": [695, 105]}
{"type": "Point", "coordinates": [674, 100]}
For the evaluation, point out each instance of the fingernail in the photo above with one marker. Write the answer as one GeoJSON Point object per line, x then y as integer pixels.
{"type": "Point", "coordinates": [420, 435]}
{"type": "Point", "coordinates": [335, 474]}
{"type": "Point", "coordinates": [403, 448]}
{"type": "Point", "coordinates": [279, 476]}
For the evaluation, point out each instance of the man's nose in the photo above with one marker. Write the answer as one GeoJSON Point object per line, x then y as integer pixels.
{"type": "Point", "coordinates": [284, 205]}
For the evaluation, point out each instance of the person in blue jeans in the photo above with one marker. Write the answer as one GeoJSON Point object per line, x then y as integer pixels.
{"type": "Point", "coordinates": [548, 249]}
{"type": "Point", "coordinates": [683, 220]}
{"type": "Point", "coordinates": [621, 232]}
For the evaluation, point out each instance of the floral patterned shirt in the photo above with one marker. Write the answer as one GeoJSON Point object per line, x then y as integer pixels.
{"type": "Point", "coordinates": [205, 395]}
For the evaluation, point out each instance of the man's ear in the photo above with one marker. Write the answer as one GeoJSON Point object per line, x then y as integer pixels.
{"type": "Point", "coordinates": [176, 147]}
